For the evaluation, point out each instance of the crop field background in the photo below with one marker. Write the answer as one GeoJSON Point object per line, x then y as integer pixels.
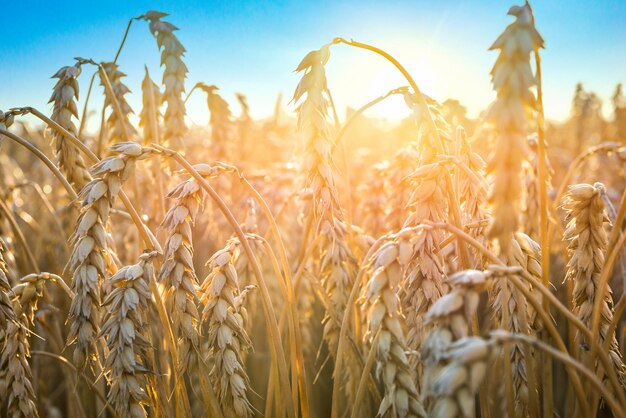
{"type": "Point", "coordinates": [261, 217]}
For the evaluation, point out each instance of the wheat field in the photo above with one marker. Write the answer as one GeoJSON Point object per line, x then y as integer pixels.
{"type": "Point", "coordinates": [309, 264]}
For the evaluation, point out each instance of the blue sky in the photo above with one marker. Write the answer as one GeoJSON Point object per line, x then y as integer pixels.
{"type": "Point", "coordinates": [253, 46]}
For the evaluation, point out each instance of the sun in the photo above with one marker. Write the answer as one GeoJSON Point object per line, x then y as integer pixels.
{"type": "Point", "coordinates": [360, 78]}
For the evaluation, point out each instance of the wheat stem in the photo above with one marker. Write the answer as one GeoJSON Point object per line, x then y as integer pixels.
{"type": "Point", "coordinates": [355, 115]}
{"type": "Point", "coordinates": [119, 50]}
{"type": "Point", "coordinates": [83, 119]}
{"type": "Point", "coordinates": [293, 319]}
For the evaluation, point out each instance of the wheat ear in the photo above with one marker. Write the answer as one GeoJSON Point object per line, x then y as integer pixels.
{"type": "Point", "coordinates": [89, 260]}
{"type": "Point", "coordinates": [64, 96]}
{"type": "Point", "coordinates": [174, 75]}
{"type": "Point", "coordinates": [227, 339]}
{"type": "Point", "coordinates": [127, 337]}
{"type": "Point", "coordinates": [118, 125]}
{"type": "Point", "coordinates": [336, 264]}
{"type": "Point", "coordinates": [221, 124]}
{"type": "Point", "coordinates": [587, 243]}
{"type": "Point", "coordinates": [451, 380]}
{"type": "Point", "coordinates": [512, 79]}
{"type": "Point", "coordinates": [386, 331]}
{"type": "Point", "coordinates": [16, 388]}
{"type": "Point", "coordinates": [177, 272]}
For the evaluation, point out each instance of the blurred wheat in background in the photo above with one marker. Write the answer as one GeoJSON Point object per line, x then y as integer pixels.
{"type": "Point", "coordinates": [440, 266]}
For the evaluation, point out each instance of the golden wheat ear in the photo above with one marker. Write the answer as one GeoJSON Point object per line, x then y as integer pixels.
{"type": "Point", "coordinates": [64, 97]}
{"type": "Point", "coordinates": [15, 372]}
{"type": "Point", "coordinates": [174, 75]}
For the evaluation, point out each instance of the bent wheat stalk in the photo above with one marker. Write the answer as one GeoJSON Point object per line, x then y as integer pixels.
{"type": "Point", "coordinates": [421, 100]}
{"type": "Point", "coordinates": [51, 166]}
